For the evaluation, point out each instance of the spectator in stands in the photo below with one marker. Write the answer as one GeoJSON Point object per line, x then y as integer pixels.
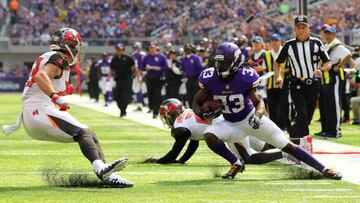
{"type": "Point", "coordinates": [2, 72]}
{"type": "Point", "coordinates": [14, 7]}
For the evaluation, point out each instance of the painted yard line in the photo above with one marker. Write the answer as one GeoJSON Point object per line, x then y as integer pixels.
{"type": "Point", "coordinates": [317, 189]}
{"type": "Point", "coordinates": [101, 141]}
{"type": "Point", "coordinates": [330, 197]}
{"type": "Point", "coordinates": [133, 172]}
{"type": "Point", "coordinates": [299, 183]}
{"type": "Point", "coordinates": [340, 153]}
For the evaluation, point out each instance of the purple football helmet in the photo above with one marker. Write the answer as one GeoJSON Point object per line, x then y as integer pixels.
{"type": "Point", "coordinates": [228, 52]}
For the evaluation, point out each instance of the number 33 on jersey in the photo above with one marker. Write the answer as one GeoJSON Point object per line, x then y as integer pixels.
{"type": "Point", "coordinates": [232, 93]}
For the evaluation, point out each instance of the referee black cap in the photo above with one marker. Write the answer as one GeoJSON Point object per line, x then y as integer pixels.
{"type": "Point", "coordinates": [301, 20]}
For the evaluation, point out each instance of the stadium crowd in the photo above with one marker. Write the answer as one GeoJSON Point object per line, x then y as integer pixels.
{"type": "Point", "coordinates": [109, 20]}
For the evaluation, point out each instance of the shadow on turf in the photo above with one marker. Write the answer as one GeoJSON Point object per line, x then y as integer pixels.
{"type": "Point", "coordinates": [293, 173]}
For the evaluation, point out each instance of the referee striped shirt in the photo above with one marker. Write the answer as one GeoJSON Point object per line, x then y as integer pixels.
{"type": "Point", "coordinates": [303, 57]}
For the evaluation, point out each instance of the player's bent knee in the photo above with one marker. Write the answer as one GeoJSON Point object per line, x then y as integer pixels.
{"type": "Point", "coordinates": [210, 139]}
{"type": "Point", "coordinates": [85, 132]}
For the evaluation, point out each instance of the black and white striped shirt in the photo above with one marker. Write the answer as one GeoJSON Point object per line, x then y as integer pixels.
{"type": "Point", "coordinates": [303, 57]}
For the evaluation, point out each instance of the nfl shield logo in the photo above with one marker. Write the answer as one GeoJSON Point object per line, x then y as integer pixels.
{"type": "Point", "coordinates": [156, 59]}
{"type": "Point", "coordinates": [227, 86]}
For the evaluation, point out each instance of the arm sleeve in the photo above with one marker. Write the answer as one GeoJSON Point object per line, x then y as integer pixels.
{"type": "Point", "coordinates": [283, 53]}
{"type": "Point", "coordinates": [59, 61]}
{"type": "Point", "coordinates": [191, 149]}
{"type": "Point", "coordinates": [181, 136]}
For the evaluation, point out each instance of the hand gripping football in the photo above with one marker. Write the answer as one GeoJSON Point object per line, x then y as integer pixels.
{"type": "Point", "coordinates": [211, 109]}
{"type": "Point", "coordinates": [211, 105]}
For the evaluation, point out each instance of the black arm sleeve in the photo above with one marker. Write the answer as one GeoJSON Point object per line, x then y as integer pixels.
{"type": "Point", "coordinates": [283, 53]}
{"type": "Point", "coordinates": [181, 135]}
{"type": "Point", "coordinates": [59, 61]}
{"type": "Point", "coordinates": [191, 149]}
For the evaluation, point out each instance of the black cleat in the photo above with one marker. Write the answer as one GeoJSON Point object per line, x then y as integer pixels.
{"type": "Point", "coordinates": [332, 174]}
{"type": "Point", "coordinates": [115, 181]}
{"type": "Point", "coordinates": [111, 168]}
{"type": "Point", "coordinates": [235, 168]}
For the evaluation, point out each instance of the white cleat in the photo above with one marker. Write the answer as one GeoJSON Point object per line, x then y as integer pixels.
{"type": "Point", "coordinates": [115, 181]}
{"type": "Point", "coordinates": [117, 165]}
{"type": "Point", "coordinates": [306, 143]}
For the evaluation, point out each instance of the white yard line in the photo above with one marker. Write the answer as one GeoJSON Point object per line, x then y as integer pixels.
{"type": "Point", "coordinates": [299, 183]}
{"type": "Point", "coordinates": [348, 165]}
{"type": "Point", "coordinates": [331, 197]}
{"type": "Point", "coordinates": [316, 189]}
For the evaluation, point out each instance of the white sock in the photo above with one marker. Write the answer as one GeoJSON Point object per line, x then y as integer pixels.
{"type": "Point", "coordinates": [98, 165]}
{"type": "Point", "coordinates": [238, 162]}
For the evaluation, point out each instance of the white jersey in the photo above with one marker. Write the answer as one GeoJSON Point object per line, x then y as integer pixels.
{"type": "Point", "coordinates": [189, 120]}
{"type": "Point", "coordinates": [32, 95]}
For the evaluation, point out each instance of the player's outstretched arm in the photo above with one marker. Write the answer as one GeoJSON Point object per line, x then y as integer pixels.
{"type": "Point", "coordinates": [181, 136]}
{"type": "Point", "coordinates": [191, 149]}
{"type": "Point", "coordinates": [258, 102]}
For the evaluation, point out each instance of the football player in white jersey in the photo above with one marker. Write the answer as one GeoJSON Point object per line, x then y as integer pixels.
{"type": "Point", "coordinates": [43, 105]}
{"type": "Point", "coordinates": [186, 125]}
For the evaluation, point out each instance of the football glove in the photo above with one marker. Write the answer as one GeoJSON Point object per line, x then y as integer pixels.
{"type": "Point", "coordinates": [69, 90]}
{"type": "Point", "coordinates": [254, 121]}
{"type": "Point", "coordinates": [206, 115]}
{"type": "Point", "coordinates": [60, 102]}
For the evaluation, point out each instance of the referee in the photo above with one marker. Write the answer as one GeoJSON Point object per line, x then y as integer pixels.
{"type": "Point", "coordinates": [304, 54]}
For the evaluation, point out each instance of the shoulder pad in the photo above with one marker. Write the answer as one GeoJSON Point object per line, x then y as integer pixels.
{"type": "Point", "coordinates": [59, 61]}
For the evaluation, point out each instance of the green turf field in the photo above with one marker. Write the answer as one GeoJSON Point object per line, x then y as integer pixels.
{"type": "Point", "coordinates": [23, 161]}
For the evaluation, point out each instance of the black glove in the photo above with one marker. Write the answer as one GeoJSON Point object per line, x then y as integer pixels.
{"type": "Point", "coordinates": [205, 115]}
{"type": "Point", "coordinates": [254, 121]}
{"type": "Point", "coordinates": [150, 160]}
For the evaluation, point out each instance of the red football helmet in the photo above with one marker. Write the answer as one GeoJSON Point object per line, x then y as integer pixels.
{"type": "Point", "coordinates": [68, 40]}
{"type": "Point", "coordinates": [170, 109]}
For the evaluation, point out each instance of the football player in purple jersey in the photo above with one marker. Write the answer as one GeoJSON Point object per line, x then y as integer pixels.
{"type": "Point", "coordinates": [235, 86]}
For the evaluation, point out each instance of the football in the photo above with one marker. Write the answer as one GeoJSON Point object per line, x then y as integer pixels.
{"type": "Point", "coordinates": [212, 105]}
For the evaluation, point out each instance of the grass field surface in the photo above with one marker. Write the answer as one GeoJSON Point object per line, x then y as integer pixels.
{"type": "Point", "coordinates": [24, 163]}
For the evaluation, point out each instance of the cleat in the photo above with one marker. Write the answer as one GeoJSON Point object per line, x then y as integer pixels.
{"type": "Point", "coordinates": [306, 143]}
{"type": "Point", "coordinates": [115, 181]}
{"type": "Point", "coordinates": [111, 168]}
{"type": "Point", "coordinates": [235, 168]}
{"type": "Point", "coordinates": [332, 174]}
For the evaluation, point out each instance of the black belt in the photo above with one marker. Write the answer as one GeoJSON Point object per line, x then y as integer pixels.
{"type": "Point", "coordinates": [307, 81]}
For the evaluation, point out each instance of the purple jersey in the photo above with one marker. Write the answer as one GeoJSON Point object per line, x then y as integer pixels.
{"type": "Point", "coordinates": [191, 65]}
{"type": "Point", "coordinates": [158, 60]}
{"type": "Point", "coordinates": [139, 59]}
{"type": "Point", "coordinates": [104, 66]}
{"type": "Point", "coordinates": [233, 94]}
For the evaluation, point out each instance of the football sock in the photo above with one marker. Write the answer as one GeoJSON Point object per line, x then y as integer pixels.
{"type": "Point", "coordinates": [262, 157]}
{"type": "Point", "coordinates": [305, 157]}
{"type": "Point", "coordinates": [98, 165]}
{"type": "Point", "coordinates": [221, 149]}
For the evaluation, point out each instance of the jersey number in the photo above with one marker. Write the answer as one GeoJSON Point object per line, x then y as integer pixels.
{"type": "Point", "coordinates": [35, 69]}
{"type": "Point", "coordinates": [208, 73]}
{"type": "Point", "coordinates": [237, 99]}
